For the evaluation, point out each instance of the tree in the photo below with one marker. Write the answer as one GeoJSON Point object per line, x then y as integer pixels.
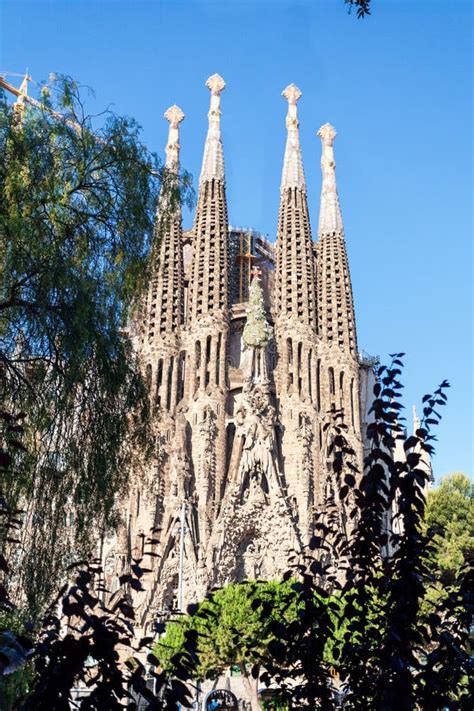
{"type": "Point", "coordinates": [449, 519]}
{"type": "Point", "coordinates": [362, 7]}
{"type": "Point", "coordinates": [391, 655]}
{"type": "Point", "coordinates": [450, 516]}
{"type": "Point", "coordinates": [80, 641]}
{"type": "Point", "coordinates": [78, 197]}
{"type": "Point", "coordinates": [229, 630]}
{"type": "Point", "coordinates": [355, 609]}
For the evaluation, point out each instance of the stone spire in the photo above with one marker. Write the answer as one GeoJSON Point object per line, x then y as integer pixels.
{"type": "Point", "coordinates": [213, 160]}
{"type": "Point", "coordinates": [295, 279]}
{"type": "Point", "coordinates": [166, 298]}
{"type": "Point", "coordinates": [330, 218]}
{"type": "Point", "coordinates": [174, 116]}
{"type": "Point", "coordinates": [209, 282]}
{"type": "Point", "coordinates": [295, 322]}
{"type": "Point", "coordinates": [336, 319]}
{"type": "Point", "coordinates": [293, 173]}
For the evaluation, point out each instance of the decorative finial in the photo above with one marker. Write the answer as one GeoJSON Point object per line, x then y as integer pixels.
{"type": "Point", "coordinates": [215, 84]}
{"type": "Point", "coordinates": [292, 174]}
{"type": "Point", "coordinates": [327, 134]}
{"type": "Point", "coordinates": [330, 218]}
{"type": "Point", "coordinates": [174, 115]}
{"type": "Point", "coordinates": [292, 94]}
{"type": "Point", "coordinates": [213, 160]}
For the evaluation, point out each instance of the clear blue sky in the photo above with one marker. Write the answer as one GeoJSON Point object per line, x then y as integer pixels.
{"type": "Point", "coordinates": [397, 87]}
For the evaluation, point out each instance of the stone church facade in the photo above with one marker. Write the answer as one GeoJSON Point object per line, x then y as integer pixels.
{"type": "Point", "coordinates": [247, 347]}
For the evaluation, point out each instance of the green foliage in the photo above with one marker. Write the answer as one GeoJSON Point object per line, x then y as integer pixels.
{"type": "Point", "coordinates": [450, 515]}
{"type": "Point", "coordinates": [14, 686]}
{"type": "Point", "coordinates": [230, 627]}
{"type": "Point", "coordinates": [362, 7]}
{"type": "Point", "coordinates": [389, 653]}
{"type": "Point", "coordinates": [77, 208]}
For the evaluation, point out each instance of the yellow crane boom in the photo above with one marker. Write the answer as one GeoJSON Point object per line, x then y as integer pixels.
{"type": "Point", "coordinates": [22, 94]}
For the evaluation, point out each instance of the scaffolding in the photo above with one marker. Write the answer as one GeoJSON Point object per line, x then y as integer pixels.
{"type": "Point", "coordinates": [247, 249]}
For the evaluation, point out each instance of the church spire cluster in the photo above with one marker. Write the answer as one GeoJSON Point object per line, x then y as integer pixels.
{"type": "Point", "coordinates": [242, 390]}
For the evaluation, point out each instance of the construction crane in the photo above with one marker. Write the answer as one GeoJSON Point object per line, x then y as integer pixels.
{"type": "Point", "coordinates": [22, 92]}
{"type": "Point", "coordinates": [22, 98]}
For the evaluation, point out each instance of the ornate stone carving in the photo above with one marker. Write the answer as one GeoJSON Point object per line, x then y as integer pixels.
{"type": "Point", "coordinates": [293, 173]}
{"type": "Point", "coordinates": [208, 430]}
{"type": "Point", "coordinates": [291, 93]}
{"type": "Point", "coordinates": [327, 133]}
{"type": "Point", "coordinates": [215, 84]}
{"type": "Point", "coordinates": [245, 453]}
{"type": "Point", "coordinates": [257, 331]}
{"type": "Point", "coordinates": [330, 218]}
{"type": "Point", "coordinates": [174, 115]}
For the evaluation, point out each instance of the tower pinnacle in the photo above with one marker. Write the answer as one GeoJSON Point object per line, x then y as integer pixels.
{"type": "Point", "coordinates": [330, 218]}
{"type": "Point", "coordinates": [293, 173]}
{"type": "Point", "coordinates": [209, 283]}
{"type": "Point", "coordinates": [174, 116]}
{"type": "Point", "coordinates": [166, 293]}
{"type": "Point", "coordinates": [213, 160]}
{"type": "Point", "coordinates": [336, 319]}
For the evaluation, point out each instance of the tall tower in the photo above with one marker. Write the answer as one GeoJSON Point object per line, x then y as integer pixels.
{"type": "Point", "coordinates": [336, 319]}
{"type": "Point", "coordinates": [296, 325]}
{"type": "Point", "coordinates": [165, 305]}
{"type": "Point", "coordinates": [208, 323]}
{"type": "Point", "coordinates": [162, 361]}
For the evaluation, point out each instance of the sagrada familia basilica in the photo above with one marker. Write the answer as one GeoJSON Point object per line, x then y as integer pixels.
{"type": "Point", "coordinates": [247, 347]}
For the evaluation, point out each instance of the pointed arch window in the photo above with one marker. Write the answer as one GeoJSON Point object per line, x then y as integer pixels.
{"type": "Point", "coordinates": [197, 361]}
{"type": "Point", "coordinates": [169, 381]}
{"type": "Point", "coordinates": [352, 402]}
{"type": "Point", "coordinates": [218, 358]}
{"type": "Point", "coordinates": [181, 376]}
{"type": "Point", "coordinates": [318, 384]}
{"type": "Point", "coordinates": [310, 374]}
{"type": "Point", "coordinates": [148, 376]}
{"type": "Point", "coordinates": [299, 366]}
{"type": "Point", "coordinates": [159, 381]}
{"type": "Point", "coordinates": [332, 384]}
{"type": "Point", "coordinates": [208, 360]}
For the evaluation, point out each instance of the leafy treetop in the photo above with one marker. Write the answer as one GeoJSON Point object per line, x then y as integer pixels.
{"type": "Point", "coordinates": [78, 199]}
